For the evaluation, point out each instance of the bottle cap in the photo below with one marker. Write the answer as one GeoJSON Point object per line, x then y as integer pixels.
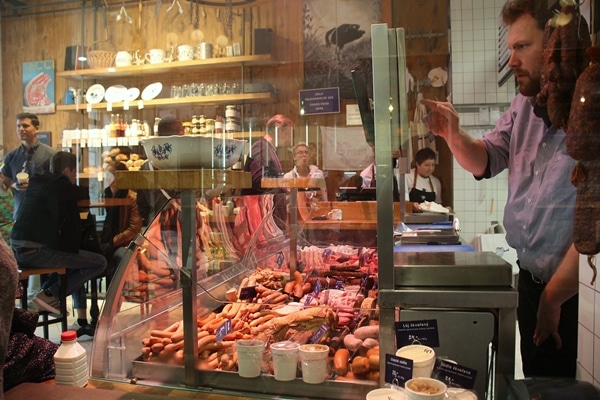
{"type": "Point", "coordinates": [68, 336]}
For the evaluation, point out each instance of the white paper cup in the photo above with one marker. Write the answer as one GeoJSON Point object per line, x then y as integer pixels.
{"type": "Point", "coordinates": [423, 358]}
{"type": "Point", "coordinates": [313, 359]}
{"type": "Point", "coordinates": [22, 178]}
{"type": "Point", "coordinates": [250, 354]}
{"type": "Point", "coordinates": [425, 389]}
{"type": "Point", "coordinates": [285, 360]}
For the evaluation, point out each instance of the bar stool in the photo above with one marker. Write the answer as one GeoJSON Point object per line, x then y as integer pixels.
{"type": "Point", "coordinates": [47, 318]}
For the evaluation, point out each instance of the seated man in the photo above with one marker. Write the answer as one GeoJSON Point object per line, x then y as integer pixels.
{"type": "Point", "coordinates": [303, 169]}
{"type": "Point", "coordinates": [48, 235]}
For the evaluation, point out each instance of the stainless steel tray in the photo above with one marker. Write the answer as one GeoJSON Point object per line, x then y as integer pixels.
{"type": "Point", "coordinates": [451, 269]}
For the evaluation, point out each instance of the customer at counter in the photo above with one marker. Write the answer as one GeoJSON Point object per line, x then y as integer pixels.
{"type": "Point", "coordinates": [421, 184]}
{"type": "Point", "coordinates": [47, 233]}
{"type": "Point", "coordinates": [32, 157]}
{"type": "Point", "coordinates": [263, 160]}
{"type": "Point", "coordinates": [122, 223]}
{"type": "Point", "coordinates": [303, 169]}
{"type": "Point", "coordinates": [539, 212]}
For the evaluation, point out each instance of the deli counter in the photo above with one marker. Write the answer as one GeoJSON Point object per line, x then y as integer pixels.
{"type": "Point", "coordinates": [185, 294]}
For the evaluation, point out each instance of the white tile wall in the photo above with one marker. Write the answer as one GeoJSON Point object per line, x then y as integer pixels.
{"type": "Point", "coordinates": [474, 81]}
{"type": "Point", "coordinates": [589, 323]}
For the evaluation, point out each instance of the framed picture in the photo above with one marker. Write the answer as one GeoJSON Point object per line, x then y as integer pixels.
{"type": "Point", "coordinates": [337, 39]}
{"type": "Point", "coordinates": [38, 87]}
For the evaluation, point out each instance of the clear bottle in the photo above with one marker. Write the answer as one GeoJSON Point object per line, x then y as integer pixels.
{"type": "Point", "coordinates": [156, 121]}
{"type": "Point", "coordinates": [113, 126]}
{"type": "Point", "coordinates": [70, 361]}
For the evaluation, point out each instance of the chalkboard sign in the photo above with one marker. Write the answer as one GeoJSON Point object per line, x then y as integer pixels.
{"type": "Point", "coordinates": [45, 137]}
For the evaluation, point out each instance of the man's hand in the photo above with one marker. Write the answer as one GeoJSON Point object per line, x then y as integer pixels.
{"type": "Point", "coordinates": [548, 317]}
{"type": "Point", "coordinates": [442, 119]}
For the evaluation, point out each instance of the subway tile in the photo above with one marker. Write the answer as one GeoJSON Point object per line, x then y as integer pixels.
{"type": "Point", "coordinates": [585, 346]}
{"type": "Point", "coordinates": [596, 352]}
{"type": "Point", "coordinates": [585, 272]}
{"type": "Point", "coordinates": [586, 306]}
{"type": "Point", "coordinates": [597, 317]}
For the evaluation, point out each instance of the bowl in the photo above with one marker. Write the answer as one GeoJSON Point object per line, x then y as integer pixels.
{"type": "Point", "coordinates": [192, 151]}
{"type": "Point", "coordinates": [425, 389]}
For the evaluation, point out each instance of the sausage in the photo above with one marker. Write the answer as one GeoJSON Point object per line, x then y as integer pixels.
{"type": "Point", "coordinates": [340, 361]}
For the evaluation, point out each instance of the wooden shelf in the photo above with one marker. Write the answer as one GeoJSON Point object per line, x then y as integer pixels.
{"type": "Point", "coordinates": [292, 183]}
{"type": "Point", "coordinates": [183, 179]}
{"type": "Point", "coordinates": [175, 67]}
{"type": "Point", "coordinates": [183, 101]}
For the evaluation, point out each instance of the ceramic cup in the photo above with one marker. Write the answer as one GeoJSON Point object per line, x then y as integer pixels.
{"type": "Point", "coordinates": [285, 360]}
{"type": "Point", "coordinates": [313, 359]}
{"type": "Point", "coordinates": [185, 52]}
{"type": "Point", "coordinates": [335, 214]}
{"type": "Point", "coordinates": [156, 56]}
{"type": "Point", "coordinates": [425, 389]}
{"type": "Point", "coordinates": [123, 59]}
{"type": "Point", "coordinates": [22, 178]}
{"type": "Point", "coordinates": [250, 354]}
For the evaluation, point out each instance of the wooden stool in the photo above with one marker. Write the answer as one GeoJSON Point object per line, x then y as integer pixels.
{"type": "Point", "coordinates": [47, 318]}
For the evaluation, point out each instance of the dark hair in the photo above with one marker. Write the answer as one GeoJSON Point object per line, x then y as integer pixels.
{"type": "Point", "coordinates": [169, 126]}
{"type": "Point", "coordinates": [118, 166]}
{"type": "Point", "coordinates": [62, 160]}
{"type": "Point", "coordinates": [515, 9]}
{"type": "Point", "coordinates": [424, 154]}
{"type": "Point", "coordinates": [35, 121]}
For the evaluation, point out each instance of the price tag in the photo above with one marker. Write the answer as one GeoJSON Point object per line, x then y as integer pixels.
{"type": "Point", "coordinates": [248, 292]}
{"type": "Point", "coordinates": [398, 370]}
{"type": "Point", "coordinates": [280, 259]}
{"type": "Point", "coordinates": [126, 105]}
{"type": "Point", "coordinates": [317, 288]}
{"type": "Point", "coordinates": [339, 284]}
{"type": "Point", "coordinates": [109, 106]}
{"type": "Point", "coordinates": [223, 330]}
{"type": "Point", "coordinates": [425, 332]}
{"type": "Point", "coordinates": [308, 300]}
{"type": "Point", "coordinates": [88, 107]}
{"type": "Point", "coordinates": [454, 375]}
{"type": "Point", "coordinates": [319, 334]}
{"type": "Point", "coordinates": [140, 104]}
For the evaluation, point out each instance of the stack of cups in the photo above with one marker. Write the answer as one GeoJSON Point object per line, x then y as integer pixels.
{"type": "Point", "coordinates": [285, 360]}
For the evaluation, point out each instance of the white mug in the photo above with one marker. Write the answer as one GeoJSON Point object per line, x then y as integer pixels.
{"type": "Point", "coordinates": [123, 59]}
{"type": "Point", "coordinates": [185, 52]}
{"type": "Point", "coordinates": [156, 56]}
{"type": "Point", "coordinates": [335, 214]}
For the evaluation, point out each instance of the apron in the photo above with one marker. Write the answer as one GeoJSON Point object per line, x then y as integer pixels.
{"type": "Point", "coordinates": [419, 196]}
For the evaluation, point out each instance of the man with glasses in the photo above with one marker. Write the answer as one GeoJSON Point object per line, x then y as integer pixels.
{"type": "Point", "coordinates": [32, 156]}
{"type": "Point", "coordinates": [304, 169]}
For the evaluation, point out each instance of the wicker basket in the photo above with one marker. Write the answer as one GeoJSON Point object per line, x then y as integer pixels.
{"type": "Point", "coordinates": [101, 58]}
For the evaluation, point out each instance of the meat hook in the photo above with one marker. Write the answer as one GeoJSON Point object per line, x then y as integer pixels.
{"type": "Point", "coordinates": [123, 14]}
{"type": "Point", "coordinates": [173, 5]}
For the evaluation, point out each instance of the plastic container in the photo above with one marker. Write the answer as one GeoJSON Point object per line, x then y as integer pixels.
{"type": "Point", "coordinates": [250, 354]}
{"type": "Point", "coordinates": [70, 361]}
{"type": "Point", "coordinates": [285, 360]}
{"type": "Point", "coordinates": [423, 358]}
{"type": "Point", "coordinates": [313, 358]}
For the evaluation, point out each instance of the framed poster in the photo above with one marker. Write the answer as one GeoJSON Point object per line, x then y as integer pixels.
{"type": "Point", "coordinates": [337, 39]}
{"type": "Point", "coordinates": [38, 87]}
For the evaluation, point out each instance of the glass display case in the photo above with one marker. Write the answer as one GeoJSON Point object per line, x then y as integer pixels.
{"type": "Point", "coordinates": [179, 302]}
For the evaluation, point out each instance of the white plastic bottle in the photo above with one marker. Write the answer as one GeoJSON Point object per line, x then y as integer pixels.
{"type": "Point", "coordinates": [70, 361]}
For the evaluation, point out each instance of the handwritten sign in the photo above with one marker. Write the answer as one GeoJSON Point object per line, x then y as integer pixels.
{"type": "Point", "coordinates": [345, 149]}
{"type": "Point", "coordinates": [320, 101]}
